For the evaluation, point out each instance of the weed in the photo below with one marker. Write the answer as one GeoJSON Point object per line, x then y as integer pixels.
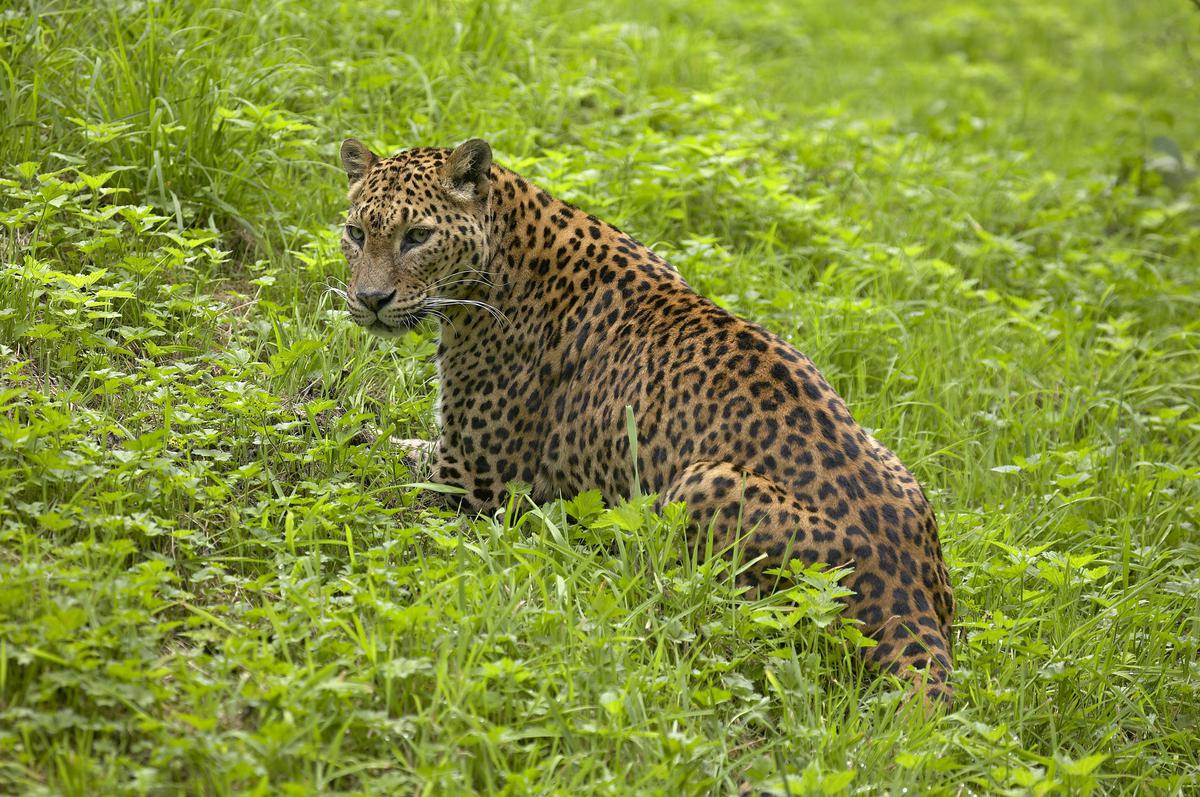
{"type": "Point", "coordinates": [215, 573]}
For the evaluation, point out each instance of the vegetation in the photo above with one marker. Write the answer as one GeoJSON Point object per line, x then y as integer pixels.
{"type": "Point", "coordinates": [215, 574]}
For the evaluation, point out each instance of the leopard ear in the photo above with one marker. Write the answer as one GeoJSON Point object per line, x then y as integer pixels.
{"type": "Point", "coordinates": [466, 170]}
{"type": "Point", "coordinates": [357, 160]}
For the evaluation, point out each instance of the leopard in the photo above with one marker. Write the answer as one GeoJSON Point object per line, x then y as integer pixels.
{"type": "Point", "coordinates": [556, 329]}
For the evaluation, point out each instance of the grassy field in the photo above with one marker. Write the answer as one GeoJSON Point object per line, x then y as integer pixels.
{"type": "Point", "coordinates": [980, 220]}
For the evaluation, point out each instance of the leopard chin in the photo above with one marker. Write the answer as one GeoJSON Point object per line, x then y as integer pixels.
{"type": "Point", "coordinates": [402, 324]}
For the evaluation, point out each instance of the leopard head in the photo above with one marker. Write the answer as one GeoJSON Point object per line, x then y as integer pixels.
{"type": "Point", "coordinates": [416, 235]}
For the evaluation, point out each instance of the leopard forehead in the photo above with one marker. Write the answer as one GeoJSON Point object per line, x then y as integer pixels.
{"type": "Point", "coordinates": [400, 188]}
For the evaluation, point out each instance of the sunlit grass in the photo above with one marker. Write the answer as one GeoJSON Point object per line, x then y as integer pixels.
{"type": "Point", "coordinates": [216, 576]}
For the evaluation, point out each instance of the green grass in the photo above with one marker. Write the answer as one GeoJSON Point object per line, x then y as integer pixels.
{"type": "Point", "coordinates": [215, 576]}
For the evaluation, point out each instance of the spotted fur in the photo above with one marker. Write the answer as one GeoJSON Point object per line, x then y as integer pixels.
{"type": "Point", "coordinates": [552, 322]}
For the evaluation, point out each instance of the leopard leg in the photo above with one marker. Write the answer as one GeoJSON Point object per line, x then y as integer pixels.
{"type": "Point", "coordinates": [427, 463]}
{"type": "Point", "coordinates": [483, 489]}
{"type": "Point", "coordinates": [417, 455]}
{"type": "Point", "coordinates": [772, 523]}
{"type": "Point", "coordinates": [415, 445]}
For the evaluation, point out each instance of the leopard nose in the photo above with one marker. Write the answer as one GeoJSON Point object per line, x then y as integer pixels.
{"type": "Point", "coordinates": [374, 300]}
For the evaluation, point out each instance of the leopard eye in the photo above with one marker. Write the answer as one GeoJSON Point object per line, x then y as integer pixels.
{"type": "Point", "coordinates": [356, 234]}
{"type": "Point", "coordinates": [417, 236]}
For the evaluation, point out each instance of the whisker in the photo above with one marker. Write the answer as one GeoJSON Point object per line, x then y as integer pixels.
{"type": "Point", "coordinates": [496, 314]}
{"type": "Point", "coordinates": [441, 282]}
{"type": "Point", "coordinates": [450, 281]}
{"type": "Point", "coordinates": [440, 316]}
{"type": "Point", "coordinates": [456, 283]}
